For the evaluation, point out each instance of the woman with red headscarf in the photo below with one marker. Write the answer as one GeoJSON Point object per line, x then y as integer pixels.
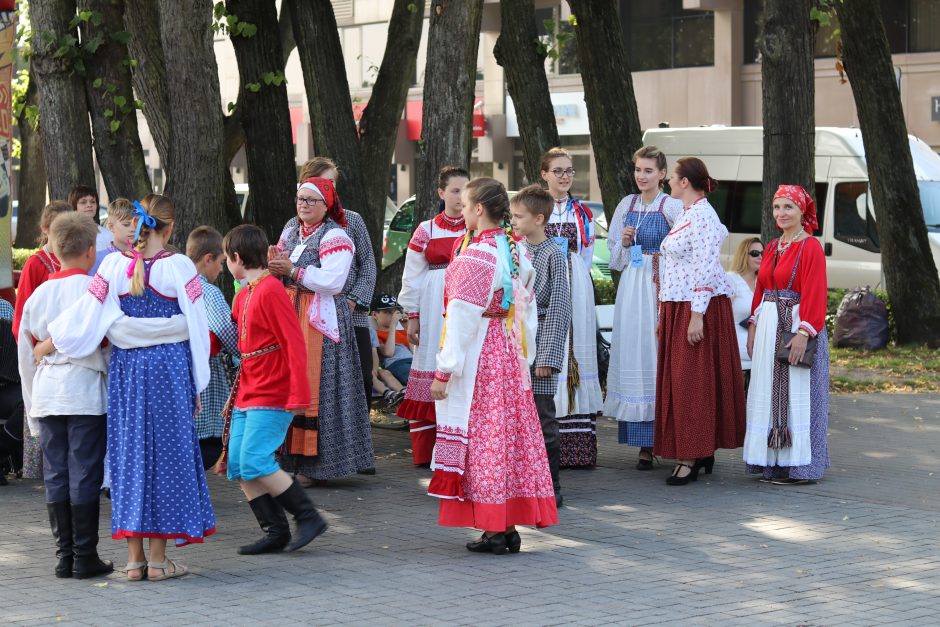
{"type": "Point", "coordinates": [788, 401]}
{"type": "Point", "coordinates": [332, 438]}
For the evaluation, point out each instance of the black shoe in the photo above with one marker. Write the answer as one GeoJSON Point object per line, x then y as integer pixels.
{"type": "Point", "coordinates": [513, 541]}
{"type": "Point", "coordinates": [707, 463]}
{"type": "Point", "coordinates": [60, 519]}
{"type": "Point", "coordinates": [495, 544]}
{"type": "Point", "coordinates": [674, 479]}
{"type": "Point", "coordinates": [559, 500]}
{"type": "Point", "coordinates": [273, 523]}
{"type": "Point", "coordinates": [85, 540]}
{"type": "Point", "coordinates": [366, 471]}
{"type": "Point", "coordinates": [309, 522]}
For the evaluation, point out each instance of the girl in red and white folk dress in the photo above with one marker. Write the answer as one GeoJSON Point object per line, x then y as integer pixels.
{"type": "Point", "coordinates": [490, 465]}
{"type": "Point", "coordinates": [422, 297]}
{"type": "Point", "coordinates": [699, 388]}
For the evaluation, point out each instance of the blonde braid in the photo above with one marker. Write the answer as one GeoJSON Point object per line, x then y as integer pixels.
{"type": "Point", "coordinates": [137, 279]}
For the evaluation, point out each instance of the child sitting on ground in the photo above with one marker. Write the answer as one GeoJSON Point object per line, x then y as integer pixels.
{"type": "Point", "coordinates": [393, 349]}
{"type": "Point", "coordinates": [71, 427]}
{"type": "Point", "coordinates": [204, 247]}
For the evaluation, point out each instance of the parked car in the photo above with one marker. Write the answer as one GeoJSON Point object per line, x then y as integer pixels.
{"type": "Point", "coordinates": [399, 229]}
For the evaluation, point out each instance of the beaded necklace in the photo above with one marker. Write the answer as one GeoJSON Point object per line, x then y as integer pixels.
{"type": "Point", "coordinates": [783, 246]}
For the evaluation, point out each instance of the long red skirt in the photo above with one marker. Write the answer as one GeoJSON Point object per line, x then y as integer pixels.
{"type": "Point", "coordinates": [700, 405]}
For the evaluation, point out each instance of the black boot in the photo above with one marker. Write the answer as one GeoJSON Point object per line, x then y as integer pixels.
{"type": "Point", "coordinates": [273, 523]}
{"type": "Point", "coordinates": [309, 522]}
{"type": "Point", "coordinates": [60, 519]}
{"type": "Point", "coordinates": [553, 448]}
{"type": "Point", "coordinates": [85, 535]}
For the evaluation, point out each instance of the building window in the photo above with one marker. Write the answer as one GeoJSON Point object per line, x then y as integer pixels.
{"type": "Point", "coordinates": [662, 35]}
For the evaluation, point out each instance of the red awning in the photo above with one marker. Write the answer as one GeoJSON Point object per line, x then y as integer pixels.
{"type": "Point", "coordinates": [414, 109]}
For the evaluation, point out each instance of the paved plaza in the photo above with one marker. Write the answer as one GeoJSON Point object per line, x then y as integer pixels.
{"type": "Point", "coordinates": [860, 548]}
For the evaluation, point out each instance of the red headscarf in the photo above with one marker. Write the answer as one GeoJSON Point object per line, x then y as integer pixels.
{"type": "Point", "coordinates": [326, 190]}
{"type": "Point", "coordinates": [802, 200]}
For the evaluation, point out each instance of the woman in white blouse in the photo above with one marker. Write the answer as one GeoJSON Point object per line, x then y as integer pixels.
{"type": "Point", "coordinates": [699, 390]}
{"type": "Point", "coordinates": [743, 277]}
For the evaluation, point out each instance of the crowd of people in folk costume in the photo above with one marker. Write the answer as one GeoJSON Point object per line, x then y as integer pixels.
{"type": "Point", "coordinates": [124, 350]}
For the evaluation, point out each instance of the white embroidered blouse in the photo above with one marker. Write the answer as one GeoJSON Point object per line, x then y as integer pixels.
{"type": "Point", "coordinates": [691, 258]}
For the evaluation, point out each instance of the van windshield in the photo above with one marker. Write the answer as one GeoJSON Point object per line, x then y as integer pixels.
{"type": "Point", "coordinates": [930, 199]}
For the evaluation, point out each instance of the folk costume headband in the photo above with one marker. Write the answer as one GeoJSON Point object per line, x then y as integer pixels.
{"type": "Point", "coordinates": [326, 190]}
{"type": "Point", "coordinates": [804, 201]}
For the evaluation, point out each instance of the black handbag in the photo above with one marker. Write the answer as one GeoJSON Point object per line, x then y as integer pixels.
{"type": "Point", "coordinates": [783, 352]}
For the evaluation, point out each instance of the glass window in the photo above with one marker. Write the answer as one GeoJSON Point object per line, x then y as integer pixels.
{"type": "Point", "coordinates": [925, 25]}
{"type": "Point", "coordinates": [719, 200]}
{"type": "Point", "coordinates": [930, 200]}
{"type": "Point", "coordinates": [746, 206]}
{"type": "Point", "coordinates": [895, 15]}
{"type": "Point", "coordinates": [404, 219]}
{"type": "Point", "coordinates": [662, 35]}
{"type": "Point", "coordinates": [822, 189]}
{"type": "Point", "coordinates": [854, 217]}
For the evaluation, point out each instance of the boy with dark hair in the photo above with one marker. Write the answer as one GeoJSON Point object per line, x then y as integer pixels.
{"type": "Point", "coordinates": [71, 427]}
{"type": "Point", "coordinates": [271, 382]}
{"type": "Point", "coordinates": [204, 248]}
{"type": "Point", "coordinates": [531, 209]}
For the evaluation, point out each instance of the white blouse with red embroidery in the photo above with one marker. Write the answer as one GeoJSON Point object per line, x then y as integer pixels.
{"type": "Point", "coordinates": [691, 258]}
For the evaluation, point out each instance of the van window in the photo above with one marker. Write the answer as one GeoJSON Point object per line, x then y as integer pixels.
{"type": "Point", "coordinates": [746, 207]}
{"type": "Point", "coordinates": [719, 200]}
{"type": "Point", "coordinates": [404, 220]}
{"type": "Point", "coordinates": [929, 198]}
{"type": "Point", "coordinates": [854, 219]}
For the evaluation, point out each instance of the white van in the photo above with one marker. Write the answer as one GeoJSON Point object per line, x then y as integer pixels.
{"type": "Point", "coordinates": [734, 156]}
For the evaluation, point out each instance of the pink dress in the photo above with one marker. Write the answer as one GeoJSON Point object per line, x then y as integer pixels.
{"type": "Point", "coordinates": [490, 464]}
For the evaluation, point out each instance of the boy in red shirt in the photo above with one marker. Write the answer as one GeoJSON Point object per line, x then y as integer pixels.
{"type": "Point", "coordinates": [272, 381]}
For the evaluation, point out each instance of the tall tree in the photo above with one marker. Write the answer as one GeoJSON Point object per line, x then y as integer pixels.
{"type": "Point", "coordinates": [57, 61]}
{"type": "Point", "coordinates": [265, 115]}
{"type": "Point", "coordinates": [363, 157]}
{"type": "Point", "coordinates": [910, 273]}
{"type": "Point", "coordinates": [787, 45]}
{"type": "Point", "coordinates": [608, 91]}
{"type": "Point", "coordinates": [142, 21]}
{"type": "Point", "coordinates": [111, 101]}
{"type": "Point", "coordinates": [196, 180]}
{"type": "Point", "coordinates": [449, 83]}
{"type": "Point", "coordinates": [31, 183]}
{"type": "Point", "coordinates": [522, 56]}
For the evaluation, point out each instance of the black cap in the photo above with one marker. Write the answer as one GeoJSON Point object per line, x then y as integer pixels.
{"type": "Point", "coordinates": [384, 302]}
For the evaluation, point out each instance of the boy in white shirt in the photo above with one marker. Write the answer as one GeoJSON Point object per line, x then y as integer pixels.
{"type": "Point", "coordinates": [66, 403]}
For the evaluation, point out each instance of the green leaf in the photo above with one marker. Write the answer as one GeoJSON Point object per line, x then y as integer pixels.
{"type": "Point", "coordinates": [97, 83]}
{"type": "Point", "coordinates": [109, 113]}
{"type": "Point", "coordinates": [85, 15]}
{"type": "Point", "coordinates": [139, 104]}
{"type": "Point", "coordinates": [122, 37]}
{"type": "Point", "coordinates": [231, 107]}
{"type": "Point", "coordinates": [218, 11]}
{"type": "Point", "coordinates": [253, 87]}
{"type": "Point", "coordinates": [120, 101]}
{"type": "Point", "coordinates": [412, 8]}
{"type": "Point", "coordinates": [115, 125]}
{"type": "Point", "coordinates": [110, 88]}
{"type": "Point", "coordinates": [93, 44]}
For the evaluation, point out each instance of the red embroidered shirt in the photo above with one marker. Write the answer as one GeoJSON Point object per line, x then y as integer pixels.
{"type": "Point", "coordinates": [265, 317]}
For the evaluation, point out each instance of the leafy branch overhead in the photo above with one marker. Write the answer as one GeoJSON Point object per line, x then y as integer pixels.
{"type": "Point", "coordinates": [224, 23]}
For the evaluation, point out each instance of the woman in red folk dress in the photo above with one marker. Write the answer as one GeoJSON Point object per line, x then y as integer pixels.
{"type": "Point", "coordinates": [490, 465]}
{"type": "Point", "coordinates": [422, 297]}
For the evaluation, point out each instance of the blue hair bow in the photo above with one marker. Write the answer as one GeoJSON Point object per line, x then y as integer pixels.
{"type": "Point", "coordinates": [142, 218]}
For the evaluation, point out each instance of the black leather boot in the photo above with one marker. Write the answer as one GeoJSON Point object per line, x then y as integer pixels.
{"type": "Point", "coordinates": [60, 519]}
{"type": "Point", "coordinates": [309, 522]}
{"type": "Point", "coordinates": [495, 544]}
{"type": "Point", "coordinates": [273, 523]}
{"type": "Point", "coordinates": [85, 541]}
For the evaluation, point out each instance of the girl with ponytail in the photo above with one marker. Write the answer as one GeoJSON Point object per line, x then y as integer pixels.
{"type": "Point", "coordinates": [482, 389]}
{"type": "Point", "coordinates": [156, 373]}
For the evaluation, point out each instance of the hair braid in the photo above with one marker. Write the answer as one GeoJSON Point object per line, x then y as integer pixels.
{"type": "Point", "coordinates": [137, 279]}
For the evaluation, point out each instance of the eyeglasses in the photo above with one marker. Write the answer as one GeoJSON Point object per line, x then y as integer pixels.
{"type": "Point", "coordinates": [755, 253]}
{"type": "Point", "coordinates": [558, 172]}
{"type": "Point", "coordinates": [309, 202]}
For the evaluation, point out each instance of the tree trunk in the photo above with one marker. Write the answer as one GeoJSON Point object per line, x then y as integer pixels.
{"type": "Point", "coordinates": [378, 127]}
{"type": "Point", "coordinates": [787, 92]}
{"type": "Point", "coordinates": [142, 21]}
{"type": "Point", "coordinates": [518, 53]}
{"type": "Point", "coordinates": [62, 108]}
{"type": "Point", "coordinates": [608, 92]}
{"type": "Point", "coordinates": [233, 131]}
{"type": "Point", "coordinates": [910, 273]}
{"type": "Point", "coordinates": [108, 89]}
{"type": "Point", "coordinates": [31, 183]}
{"type": "Point", "coordinates": [334, 129]}
{"type": "Point", "coordinates": [196, 180]}
{"type": "Point", "coordinates": [265, 117]}
{"type": "Point", "coordinates": [449, 82]}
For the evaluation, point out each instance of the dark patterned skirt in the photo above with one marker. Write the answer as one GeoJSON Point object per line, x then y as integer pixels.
{"type": "Point", "coordinates": [699, 389]}
{"type": "Point", "coordinates": [577, 436]}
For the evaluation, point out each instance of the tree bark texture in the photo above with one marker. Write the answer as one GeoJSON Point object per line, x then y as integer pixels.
{"type": "Point", "coordinates": [787, 46]}
{"type": "Point", "coordinates": [63, 112]}
{"type": "Point", "coordinates": [31, 182]}
{"type": "Point", "coordinates": [196, 180]}
{"type": "Point", "coordinates": [142, 21]}
{"type": "Point", "coordinates": [378, 126]}
{"type": "Point", "coordinates": [518, 52]}
{"type": "Point", "coordinates": [265, 117]}
{"type": "Point", "coordinates": [334, 129]}
{"type": "Point", "coordinates": [449, 81]}
{"type": "Point", "coordinates": [910, 273]}
{"type": "Point", "coordinates": [608, 91]}
{"type": "Point", "coordinates": [108, 89]}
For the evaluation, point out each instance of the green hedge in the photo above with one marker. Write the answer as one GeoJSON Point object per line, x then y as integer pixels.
{"type": "Point", "coordinates": [604, 292]}
{"type": "Point", "coordinates": [20, 255]}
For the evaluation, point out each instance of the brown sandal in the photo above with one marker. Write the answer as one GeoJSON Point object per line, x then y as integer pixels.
{"type": "Point", "coordinates": [178, 570]}
{"type": "Point", "coordinates": [141, 566]}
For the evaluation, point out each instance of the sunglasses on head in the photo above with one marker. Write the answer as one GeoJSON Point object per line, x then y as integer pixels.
{"type": "Point", "coordinates": [755, 253]}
